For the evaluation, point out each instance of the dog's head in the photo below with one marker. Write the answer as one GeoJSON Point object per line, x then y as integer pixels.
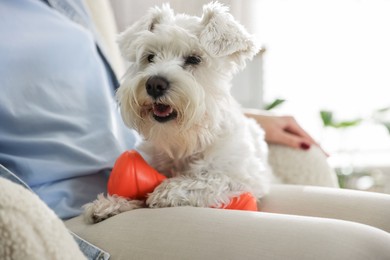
{"type": "Point", "coordinates": [180, 68]}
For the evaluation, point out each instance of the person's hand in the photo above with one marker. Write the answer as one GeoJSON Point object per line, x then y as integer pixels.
{"type": "Point", "coordinates": [282, 130]}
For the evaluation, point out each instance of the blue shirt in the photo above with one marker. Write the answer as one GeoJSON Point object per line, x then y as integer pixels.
{"type": "Point", "coordinates": [60, 130]}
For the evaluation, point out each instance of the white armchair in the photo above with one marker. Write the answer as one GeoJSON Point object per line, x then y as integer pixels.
{"type": "Point", "coordinates": [294, 166]}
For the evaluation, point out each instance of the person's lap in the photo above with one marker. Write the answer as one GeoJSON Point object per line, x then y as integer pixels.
{"type": "Point", "coordinates": [363, 207]}
{"type": "Point", "coordinates": [192, 233]}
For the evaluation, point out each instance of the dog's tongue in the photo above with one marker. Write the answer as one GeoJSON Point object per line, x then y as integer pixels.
{"type": "Point", "coordinates": [162, 110]}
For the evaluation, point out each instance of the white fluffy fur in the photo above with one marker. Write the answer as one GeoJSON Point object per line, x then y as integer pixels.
{"type": "Point", "coordinates": [210, 151]}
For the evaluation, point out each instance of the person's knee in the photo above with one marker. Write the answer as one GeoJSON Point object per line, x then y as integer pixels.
{"type": "Point", "coordinates": [350, 240]}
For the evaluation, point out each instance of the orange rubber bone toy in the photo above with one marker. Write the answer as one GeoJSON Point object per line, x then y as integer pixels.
{"type": "Point", "coordinates": [133, 178]}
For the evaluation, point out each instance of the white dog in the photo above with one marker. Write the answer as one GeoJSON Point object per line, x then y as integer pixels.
{"type": "Point", "coordinates": [176, 94]}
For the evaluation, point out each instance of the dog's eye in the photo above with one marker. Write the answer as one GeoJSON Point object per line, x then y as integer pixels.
{"type": "Point", "coordinates": [150, 58]}
{"type": "Point", "coordinates": [192, 60]}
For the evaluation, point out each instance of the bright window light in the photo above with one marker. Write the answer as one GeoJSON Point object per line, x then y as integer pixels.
{"type": "Point", "coordinates": [332, 55]}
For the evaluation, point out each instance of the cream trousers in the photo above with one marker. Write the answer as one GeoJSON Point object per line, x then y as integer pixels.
{"type": "Point", "coordinates": [295, 222]}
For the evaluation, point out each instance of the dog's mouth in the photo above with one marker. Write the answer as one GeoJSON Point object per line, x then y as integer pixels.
{"type": "Point", "coordinates": [163, 113]}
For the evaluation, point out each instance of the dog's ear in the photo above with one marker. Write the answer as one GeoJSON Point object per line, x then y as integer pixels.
{"type": "Point", "coordinates": [222, 36]}
{"type": "Point", "coordinates": [156, 15]}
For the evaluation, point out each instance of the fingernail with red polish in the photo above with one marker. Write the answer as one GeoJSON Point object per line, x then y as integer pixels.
{"type": "Point", "coordinates": [305, 146]}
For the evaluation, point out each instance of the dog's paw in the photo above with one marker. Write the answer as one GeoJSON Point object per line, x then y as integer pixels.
{"type": "Point", "coordinates": [179, 192]}
{"type": "Point", "coordinates": [168, 194]}
{"type": "Point", "coordinates": [106, 207]}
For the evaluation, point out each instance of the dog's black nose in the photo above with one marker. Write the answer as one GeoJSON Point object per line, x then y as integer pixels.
{"type": "Point", "coordinates": [156, 86]}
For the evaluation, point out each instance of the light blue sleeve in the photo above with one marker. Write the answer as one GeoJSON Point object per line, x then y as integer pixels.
{"type": "Point", "coordinates": [60, 130]}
